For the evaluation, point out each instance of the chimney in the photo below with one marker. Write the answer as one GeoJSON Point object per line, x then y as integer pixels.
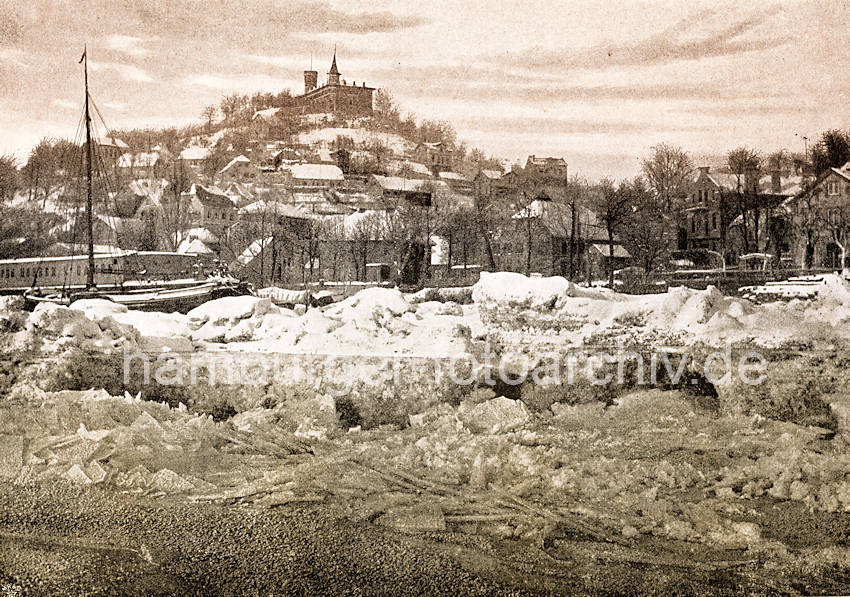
{"type": "Point", "coordinates": [311, 80]}
{"type": "Point", "coordinates": [776, 181]}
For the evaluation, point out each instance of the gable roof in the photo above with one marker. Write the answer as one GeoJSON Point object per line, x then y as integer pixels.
{"type": "Point", "coordinates": [276, 208]}
{"type": "Point", "coordinates": [556, 217]}
{"type": "Point", "coordinates": [267, 113]}
{"type": "Point", "coordinates": [194, 153]}
{"type": "Point", "coordinates": [113, 142]}
{"type": "Point", "coordinates": [316, 172]}
{"type": "Point", "coordinates": [843, 172]}
{"type": "Point", "coordinates": [400, 184]}
{"type": "Point", "coordinates": [253, 250]}
{"type": "Point", "coordinates": [491, 174]}
{"type": "Point", "coordinates": [213, 197]}
{"type": "Point", "coordinates": [240, 159]}
{"type": "Point", "coordinates": [144, 159]}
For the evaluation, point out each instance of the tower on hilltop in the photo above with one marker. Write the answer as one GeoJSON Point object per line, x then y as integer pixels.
{"type": "Point", "coordinates": [333, 74]}
{"type": "Point", "coordinates": [334, 97]}
{"type": "Point", "coordinates": [311, 80]}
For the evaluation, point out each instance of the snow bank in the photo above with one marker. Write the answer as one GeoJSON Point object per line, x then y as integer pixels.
{"type": "Point", "coordinates": [509, 301]}
{"type": "Point", "coordinates": [229, 309]}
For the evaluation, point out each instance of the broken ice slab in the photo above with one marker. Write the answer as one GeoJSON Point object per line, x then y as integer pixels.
{"type": "Point", "coordinates": [417, 518]}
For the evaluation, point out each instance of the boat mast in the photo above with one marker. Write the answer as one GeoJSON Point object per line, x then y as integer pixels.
{"type": "Point", "coordinates": [89, 226]}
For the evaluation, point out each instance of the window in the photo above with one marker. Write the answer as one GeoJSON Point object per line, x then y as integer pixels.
{"type": "Point", "coordinates": [693, 225]}
{"type": "Point", "coordinates": [714, 221]}
{"type": "Point", "coordinates": [832, 188]}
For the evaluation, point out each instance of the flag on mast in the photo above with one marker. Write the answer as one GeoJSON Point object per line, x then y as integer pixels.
{"type": "Point", "coordinates": [83, 57]}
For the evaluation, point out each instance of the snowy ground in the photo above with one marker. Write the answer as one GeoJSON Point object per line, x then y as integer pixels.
{"type": "Point", "coordinates": [746, 485]}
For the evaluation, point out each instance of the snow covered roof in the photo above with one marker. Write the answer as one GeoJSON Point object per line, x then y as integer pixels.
{"type": "Point", "coordinates": [253, 250]}
{"type": "Point", "coordinates": [451, 176]}
{"type": "Point", "coordinates": [605, 250]}
{"type": "Point", "coordinates": [274, 208]}
{"type": "Point", "coordinates": [267, 113]}
{"type": "Point", "coordinates": [416, 167]}
{"type": "Point", "coordinates": [843, 172]}
{"type": "Point", "coordinates": [491, 174]}
{"type": "Point", "coordinates": [194, 153]}
{"type": "Point", "coordinates": [201, 234]}
{"type": "Point", "coordinates": [212, 196]}
{"type": "Point", "coordinates": [140, 160]}
{"type": "Point", "coordinates": [194, 246]}
{"type": "Point", "coordinates": [370, 224]}
{"type": "Point", "coordinates": [316, 172]}
{"type": "Point", "coordinates": [325, 156]}
{"type": "Point", "coordinates": [114, 142]}
{"type": "Point", "coordinates": [398, 183]}
{"type": "Point", "coordinates": [240, 159]}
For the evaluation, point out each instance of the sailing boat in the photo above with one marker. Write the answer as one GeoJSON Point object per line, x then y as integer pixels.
{"type": "Point", "coordinates": [147, 295]}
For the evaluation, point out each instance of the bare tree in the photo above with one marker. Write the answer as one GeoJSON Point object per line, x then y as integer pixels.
{"type": "Point", "coordinates": [831, 151]}
{"type": "Point", "coordinates": [175, 208]}
{"type": "Point", "coordinates": [744, 164]}
{"type": "Point", "coordinates": [667, 172]}
{"type": "Point", "coordinates": [9, 178]}
{"type": "Point", "coordinates": [208, 114]}
{"type": "Point", "coordinates": [230, 106]}
{"type": "Point", "coordinates": [614, 208]}
{"type": "Point", "coordinates": [646, 230]}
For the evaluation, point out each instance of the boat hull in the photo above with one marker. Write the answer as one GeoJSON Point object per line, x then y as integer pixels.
{"type": "Point", "coordinates": [166, 300]}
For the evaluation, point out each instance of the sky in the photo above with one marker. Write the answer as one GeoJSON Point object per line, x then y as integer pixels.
{"type": "Point", "coordinates": [595, 82]}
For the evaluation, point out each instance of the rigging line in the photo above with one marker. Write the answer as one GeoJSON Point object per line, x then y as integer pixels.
{"type": "Point", "coordinates": [106, 175]}
{"type": "Point", "coordinates": [64, 161]}
{"type": "Point", "coordinates": [110, 190]}
{"type": "Point", "coordinates": [111, 186]}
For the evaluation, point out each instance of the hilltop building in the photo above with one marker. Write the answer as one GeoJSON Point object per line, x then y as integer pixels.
{"type": "Point", "coordinates": [335, 96]}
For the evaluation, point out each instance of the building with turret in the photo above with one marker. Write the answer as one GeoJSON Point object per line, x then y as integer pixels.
{"type": "Point", "coordinates": [336, 96]}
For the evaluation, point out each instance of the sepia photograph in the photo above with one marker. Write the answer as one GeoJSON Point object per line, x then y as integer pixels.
{"type": "Point", "coordinates": [472, 297]}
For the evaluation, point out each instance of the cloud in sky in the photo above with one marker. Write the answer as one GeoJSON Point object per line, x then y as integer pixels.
{"type": "Point", "coordinates": [698, 37]}
{"type": "Point", "coordinates": [64, 103]}
{"type": "Point", "coordinates": [127, 44]}
{"type": "Point", "coordinates": [128, 72]}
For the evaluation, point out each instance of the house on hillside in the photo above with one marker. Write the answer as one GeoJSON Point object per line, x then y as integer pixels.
{"type": "Point", "coordinates": [210, 207]}
{"type": "Point", "coordinates": [822, 218]}
{"type": "Point", "coordinates": [436, 156]}
{"type": "Point", "coordinates": [335, 97]}
{"type": "Point", "coordinates": [537, 168]}
{"type": "Point", "coordinates": [457, 182]}
{"type": "Point", "coordinates": [322, 176]}
{"type": "Point", "coordinates": [545, 238]}
{"type": "Point", "coordinates": [239, 168]}
{"type": "Point", "coordinates": [193, 157]}
{"type": "Point", "coordinates": [488, 183]}
{"type": "Point", "coordinates": [712, 209]}
{"type": "Point", "coordinates": [392, 189]}
{"type": "Point", "coordinates": [146, 164]}
{"type": "Point", "coordinates": [112, 148]}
